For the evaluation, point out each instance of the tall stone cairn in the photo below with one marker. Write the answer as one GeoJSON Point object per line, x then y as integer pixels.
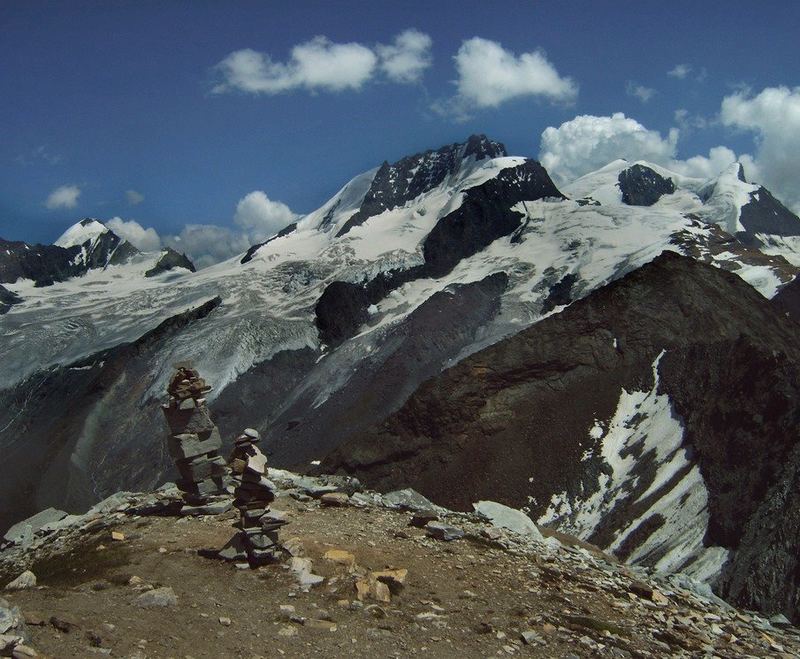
{"type": "Point", "coordinates": [257, 540]}
{"type": "Point", "coordinates": [194, 440]}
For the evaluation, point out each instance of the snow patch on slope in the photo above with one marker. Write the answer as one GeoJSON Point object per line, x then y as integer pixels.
{"type": "Point", "coordinates": [648, 467]}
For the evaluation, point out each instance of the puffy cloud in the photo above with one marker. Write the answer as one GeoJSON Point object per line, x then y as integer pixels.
{"type": "Point", "coordinates": [587, 143]}
{"type": "Point", "coordinates": [65, 196]}
{"type": "Point", "coordinates": [145, 240]}
{"type": "Point", "coordinates": [680, 71]}
{"type": "Point", "coordinates": [134, 198]}
{"type": "Point", "coordinates": [773, 116]}
{"type": "Point", "coordinates": [718, 159]}
{"type": "Point", "coordinates": [262, 217]}
{"type": "Point", "coordinates": [257, 217]}
{"type": "Point", "coordinates": [641, 92]}
{"type": "Point", "coordinates": [207, 244]}
{"type": "Point", "coordinates": [320, 64]}
{"type": "Point", "coordinates": [314, 65]}
{"type": "Point", "coordinates": [489, 75]}
{"type": "Point", "coordinates": [407, 58]}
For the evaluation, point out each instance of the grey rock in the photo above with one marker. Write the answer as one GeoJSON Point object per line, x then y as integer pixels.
{"type": "Point", "coordinates": [780, 620]}
{"type": "Point", "coordinates": [213, 508]}
{"type": "Point", "coordinates": [24, 581]}
{"type": "Point", "coordinates": [11, 620]}
{"type": "Point", "coordinates": [157, 598]}
{"type": "Point", "coordinates": [182, 446]}
{"type": "Point", "coordinates": [114, 502]}
{"type": "Point", "coordinates": [509, 519]}
{"type": "Point", "coordinates": [408, 499]}
{"type": "Point", "coordinates": [443, 531]}
{"type": "Point", "coordinates": [22, 532]}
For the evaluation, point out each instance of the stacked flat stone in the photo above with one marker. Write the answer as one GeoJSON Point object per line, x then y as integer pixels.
{"type": "Point", "coordinates": [258, 527]}
{"type": "Point", "coordinates": [194, 440]}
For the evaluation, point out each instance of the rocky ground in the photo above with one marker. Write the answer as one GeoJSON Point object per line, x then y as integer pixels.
{"type": "Point", "coordinates": [359, 580]}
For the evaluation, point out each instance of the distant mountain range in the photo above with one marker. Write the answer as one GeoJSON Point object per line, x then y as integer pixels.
{"type": "Point", "coordinates": [615, 355]}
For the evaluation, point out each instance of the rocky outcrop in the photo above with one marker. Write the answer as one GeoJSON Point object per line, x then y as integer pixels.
{"type": "Point", "coordinates": [523, 421]}
{"type": "Point", "coordinates": [788, 299]}
{"type": "Point", "coordinates": [8, 299]}
{"type": "Point", "coordinates": [398, 183]}
{"type": "Point", "coordinates": [340, 311]}
{"type": "Point", "coordinates": [642, 186]}
{"type": "Point", "coordinates": [254, 248]}
{"type": "Point", "coordinates": [170, 260]}
{"type": "Point", "coordinates": [764, 214]}
{"type": "Point", "coordinates": [44, 264]}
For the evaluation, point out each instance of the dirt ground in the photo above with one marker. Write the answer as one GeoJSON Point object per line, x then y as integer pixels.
{"type": "Point", "coordinates": [467, 598]}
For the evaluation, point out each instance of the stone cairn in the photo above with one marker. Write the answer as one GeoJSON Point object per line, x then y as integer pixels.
{"type": "Point", "coordinates": [194, 440]}
{"type": "Point", "coordinates": [257, 539]}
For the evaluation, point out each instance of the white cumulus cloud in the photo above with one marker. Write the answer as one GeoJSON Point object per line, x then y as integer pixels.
{"type": "Point", "coordinates": [145, 240]}
{"type": "Point", "coordinates": [406, 59]}
{"type": "Point", "coordinates": [64, 196]}
{"type": "Point", "coordinates": [133, 197]}
{"type": "Point", "coordinates": [322, 65]}
{"type": "Point", "coordinates": [318, 64]}
{"type": "Point", "coordinates": [207, 244]}
{"type": "Point", "coordinates": [261, 217]}
{"type": "Point", "coordinates": [773, 116]}
{"type": "Point", "coordinates": [588, 142]}
{"type": "Point", "coordinates": [489, 75]}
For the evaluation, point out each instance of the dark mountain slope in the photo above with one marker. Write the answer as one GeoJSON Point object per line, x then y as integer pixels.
{"type": "Point", "coordinates": [514, 421]}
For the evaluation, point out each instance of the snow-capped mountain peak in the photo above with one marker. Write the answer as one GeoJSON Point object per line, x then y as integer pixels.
{"type": "Point", "coordinates": [87, 230]}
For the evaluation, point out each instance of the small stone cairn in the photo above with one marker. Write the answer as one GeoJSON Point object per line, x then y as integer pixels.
{"type": "Point", "coordinates": [257, 539]}
{"type": "Point", "coordinates": [194, 440]}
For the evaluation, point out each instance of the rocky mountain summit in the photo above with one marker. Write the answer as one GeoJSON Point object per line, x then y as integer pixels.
{"type": "Point", "coordinates": [364, 574]}
{"type": "Point", "coordinates": [85, 246]}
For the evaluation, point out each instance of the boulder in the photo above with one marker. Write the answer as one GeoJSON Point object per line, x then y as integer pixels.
{"type": "Point", "coordinates": [24, 581]}
{"type": "Point", "coordinates": [408, 499]}
{"type": "Point", "coordinates": [157, 598]}
{"type": "Point", "coordinates": [509, 519]}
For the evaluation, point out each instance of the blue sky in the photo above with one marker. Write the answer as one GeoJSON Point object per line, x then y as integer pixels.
{"type": "Point", "coordinates": [135, 110]}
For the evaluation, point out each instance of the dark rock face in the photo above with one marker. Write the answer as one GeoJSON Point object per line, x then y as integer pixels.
{"type": "Point", "coordinates": [44, 264]}
{"type": "Point", "coordinates": [484, 216]}
{"type": "Point", "coordinates": [642, 186]}
{"type": "Point", "coordinates": [7, 300]}
{"type": "Point", "coordinates": [765, 214]}
{"type": "Point", "coordinates": [254, 248]}
{"type": "Point", "coordinates": [788, 299]}
{"type": "Point", "coordinates": [512, 421]}
{"type": "Point", "coordinates": [560, 293]}
{"type": "Point", "coordinates": [170, 259]}
{"type": "Point", "coordinates": [80, 417]}
{"type": "Point", "coordinates": [396, 184]}
{"type": "Point", "coordinates": [340, 311]}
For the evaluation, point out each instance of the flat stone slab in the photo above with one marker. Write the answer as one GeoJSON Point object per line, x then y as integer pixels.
{"type": "Point", "coordinates": [509, 519]}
